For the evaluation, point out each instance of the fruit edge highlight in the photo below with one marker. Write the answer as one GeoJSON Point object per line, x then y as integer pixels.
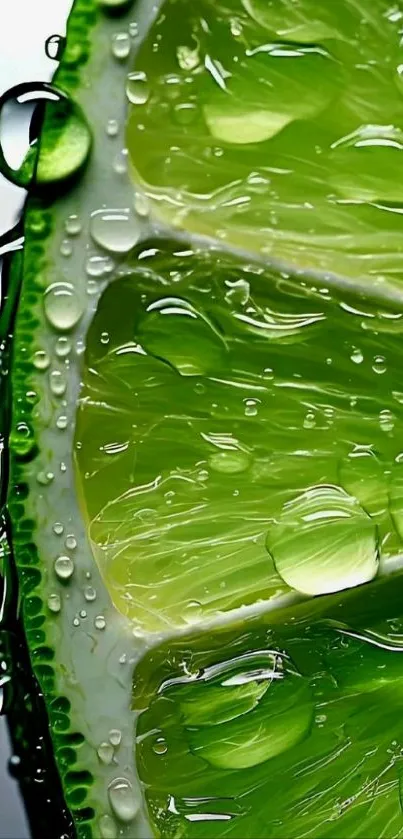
{"type": "Point", "coordinates": [199, 730]}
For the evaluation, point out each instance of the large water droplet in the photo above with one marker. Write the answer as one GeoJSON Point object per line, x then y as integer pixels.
{"type": "Point", "coordinates": [137, 90]}
{"type": "Point", "coordinates": [65, 138]}
{"type": "Point", "coordinates": [123, 800]}
{"type": "Point", "coordinates": [64, 567]}
{"type": "Point", "coordinates": [115, 230]}
{"type": "Point", "coordinates": [323, 541]}
{"type": "Point", "coordinates": [63, 307]}
{"type": "Point", "coordinates": [174, 331]}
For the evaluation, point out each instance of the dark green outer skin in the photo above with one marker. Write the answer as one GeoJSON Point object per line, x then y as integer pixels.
{"type": "Point", "coordinates": [23, 449]}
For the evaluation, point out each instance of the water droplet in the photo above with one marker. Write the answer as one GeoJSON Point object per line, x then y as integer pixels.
{"type": "Point", "coordinates": [45, 478]}
{"type": "Point", "coordinates": [83, 613]}
{"type": "Point", "coordinates": [112, 128]}
{"type": "Point", "coordinates": [137, 89]}
{"type": "Point", "coordinates": [251, 407]}
{"type": "Point", "coordinates": [357, 356]}
{"type": "Point", "coordinates": [141, 205]}
{"type": "Point", "coordinates": [120, 45]}
{"type": "Point", "coordinates": [22, 439]}
{"type": "Point", "coordinates": [62, 151]}
{"type": "Point", "coordinates": [229, 462]}
{"type": "Point", "coordinates": [379, 365]}
{"type": "Point", "coordinates": [71, 542]}
{"type": "Point", "coordinates": [323, 541]}
{"type": "Point", "coordinates": [123, 800]}
{"type": "Point", "coordinates": [386, 420]}
{"type": "Point", "coordinates": [63, 347]}
{"type": "Point", "coordinates": [120, 162]}
{"type": "Point", "coordinates": [57, 383]}
{"type": "Point", "coordinates": [90, 593]}
{"type": "Point", "coordinates": [54, 603]}
{"type": "Point", "coordinates": [76, 621]}
{"type": "Point", "coordinates": [105, 753]}
{"type": "Point", "coordinates": [115, 737]}
{"type": "Point", "coordinates": [62, 422]}
{"type": "Point", "coordinates": [58, 528]}
{"type": "Point", "coordinates": [63, 307]}
{"type": "Point", "coordinates": [92, 287]}
{"type": "Point", "coordinates": [107, 827]}
{"type": "Point", "coordinates": [160, 747]}
{"type": "Point", "coordinates": [173, 330]}
{"type": "Point", "coordinates": [66, 248]}
{"type": "Point", "coordinates": [115, 230]}
{"type": "Point", "coordinates": [185, 112]}
{"type": "Point", "coordinates": [309, 421]}
{"type": "Point", "coordinates": [72, 225]}
{"type": "Point", "coordinates": [133, 29]}
{"type": "Point", "coordinates": [100, 622]}
{"type": "Point", "coordinates": [41, 360]}
{"type": "Point", "coordinates": [97, 266]}
{"type": "Point", "coordinates": [64, 567]}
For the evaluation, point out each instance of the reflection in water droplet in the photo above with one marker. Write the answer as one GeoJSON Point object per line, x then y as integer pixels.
{"type": "Point", "coordinates": [65, 138]}
{"type": "Point", "coordinates": [123, 800]}
{"type": "Point", "coordinates": [115, 230]}
{"type": "Point", "coordinates": [63, 306]}
{"type": "Point", "coordinates": [137, 90]}
{"type": "Point", "coordinates": [323, 541]}
{"type": "Point", "coordinates": [120, 45]}
{"type": "Point", "coordinates": [64, 567]}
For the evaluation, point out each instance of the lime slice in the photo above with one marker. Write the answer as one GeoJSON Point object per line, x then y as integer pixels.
{"type": "Point", "coordinates": [206, 468]}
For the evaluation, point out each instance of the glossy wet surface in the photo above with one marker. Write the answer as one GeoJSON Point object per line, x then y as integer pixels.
{"type": "Point", "coordinates": [239, 435]}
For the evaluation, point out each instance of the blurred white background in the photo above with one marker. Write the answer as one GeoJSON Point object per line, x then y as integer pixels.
{"type": "Point", "coordinates": [24, 27]}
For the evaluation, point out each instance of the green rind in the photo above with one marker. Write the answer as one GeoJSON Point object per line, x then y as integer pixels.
{"type": "Point", "coordinates": [38, 231]}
